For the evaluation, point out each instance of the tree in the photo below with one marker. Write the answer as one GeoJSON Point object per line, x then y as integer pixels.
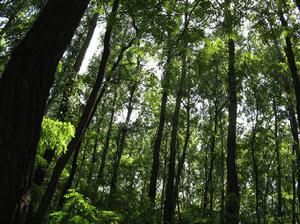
{"type": "Point", "coordinates": [32, 66]}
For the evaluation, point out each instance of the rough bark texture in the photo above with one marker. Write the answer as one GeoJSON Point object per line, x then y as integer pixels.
{"type": "Point", "coordinates": [82, 125]}
{"type": "Point", "coordinates": [24, 88]}
{"type": "Point", "coordinates": [169, 201]}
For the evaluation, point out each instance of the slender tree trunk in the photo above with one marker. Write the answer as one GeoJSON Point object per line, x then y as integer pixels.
{"type": "Point", "coordinates": [121, 143]}
{"type": "Point", "coordinates": [70, 179]}
{"type": "Point", "coordinates": [107, 140]}
{"type": "Point", "coordinates": [278, 161]}
{"type": "Point", "coordinates": [232, 206]}
{"type": "Point", "coordinates": [82, 125]}
{"type": "Point", "coordinates": [94, 157]}
{"type": "Point", "coordinates": [291, 63]}
{"type": "Point", "coordinates": [62, 113]}
{"type": "Point", "coordinates": [183, 156]}
{"type": "Point", "coordinates": [222, 200]}
{"type": "Point", "coordinates": [209, 186]}
{"type": "Point", "coordinates": [24, 89]}
{"type": "Point", "coordinates": [159, 132]}
{"type": "Point", "coordinates": [169, 201]}
{"type": "Point", "coordinates": [64, 106]}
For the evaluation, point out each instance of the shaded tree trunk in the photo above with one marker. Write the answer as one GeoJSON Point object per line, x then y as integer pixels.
{"type": "Point", "coordinates": [121, 143]}
{"type": "Point", "coordinates": [278, 161]}
{"type": "Point", "coordinates": [289, 52]}
{"type": "Point", "coordinates": [183, 156]}
{"type": "Point", "coordinates": [255, 165]}
{"type": "Point", "coordinates": [40, 172]}
{"type": "Point", "coordinates": [24, 89]}
{"type": "Point", "coordinates": [232, 205]}
{"type": "Point", "coordinates": [107, 140]}
{"type": "Point", "coordinates": [169, 201]}
{"type": "Point", "coordinates": [82, 125]}
{"type": "Point", "coordinates": [159, 132]}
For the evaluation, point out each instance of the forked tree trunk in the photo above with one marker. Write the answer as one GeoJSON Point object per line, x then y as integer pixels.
{"type": "Point", "coordinates": [24, 89]}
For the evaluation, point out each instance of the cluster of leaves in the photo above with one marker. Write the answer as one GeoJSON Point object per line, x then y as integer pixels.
{"type": "Point", "coordinates": [78, 210]}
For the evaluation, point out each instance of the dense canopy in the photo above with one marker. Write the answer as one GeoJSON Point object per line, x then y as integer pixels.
{"type": "Point", "coordinates": [155, 111]}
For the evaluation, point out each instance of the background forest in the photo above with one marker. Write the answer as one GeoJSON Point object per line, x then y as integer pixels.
{"type": "Point", "coordinates": [155, 111]}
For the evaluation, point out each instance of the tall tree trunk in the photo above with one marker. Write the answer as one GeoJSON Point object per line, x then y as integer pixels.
{"type": "Point", "coordinates": [255, 165]}
{"type": "Point", "coordinates": [40, 172]}
{"type": "Point", "coordinates": [160, 130]}
{"type": "Point", "coordinates": [232, 206]}
{"type": "Point", "coordinates": [183, 156]}
{"type": "Point", "coordinates": [121, 143]}
{"type": "Point", "coordinates": [208, 185]}
{"type": "Point", "coordinates": [278, 161]}
{"type": "Point", "coordinates": [24, 88]}
{"type": "Point", "coordinates": [82, 125]}
{"type": "Point", "coordinates": [169, 201]}
{"type": "Point", "coordinates": [70, 179]}
{"type": "Point", "coordinates": [289, 52]}
{"type": "Point", "coordinates": [64, 106]}
{"type": "Point", "coordinates": [222, 199]}
{"type": "Point", "coordinates": [107, 140]}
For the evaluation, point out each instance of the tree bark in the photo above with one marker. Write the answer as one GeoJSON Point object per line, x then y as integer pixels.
{"type": "Point", "coordinates": [159, 132]}
{"type": "Point", "coordinates": [255, 165]}
{"type": "Point", "coordinates": [278, 161]}
{"type": "Point", "coordinates": [121, 143]}
{"type": "Point", "coordinates": [82, 125]}
{"type": "Point", "coordinates": [40, 172]}
{"type": "Point", "coordinates": [232, 205]}
{"type": "Point", "coordinates": [289, 52]}
{"type": "Point", "coordinates": [24, 88]}
{"type": "Point", "coordinates": [107, 140]}
{"type": "Point", "coordinates": [169, 201]}
{"type": "Point", "coordinates": [183, 156]}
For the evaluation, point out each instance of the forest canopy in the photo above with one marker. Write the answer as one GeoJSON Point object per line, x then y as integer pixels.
{"type": "Point", "coordinates": [133, 112]}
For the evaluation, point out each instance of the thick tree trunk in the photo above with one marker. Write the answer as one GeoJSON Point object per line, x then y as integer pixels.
{"type": "Point", "coordinates": [121, 143]}
{"type": "Point", "coordinates": [24, 88]}
{"type": "Point", "coordinates": [82, 125]}
{"type": "Point", "coordinates": [232, 194]}
{"type": "Point", "coordinates": [40, 172]}
{"type": "Point", "coordinates": [169, 201]}
{"type": "Point", "coordinates": [159, 132]}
